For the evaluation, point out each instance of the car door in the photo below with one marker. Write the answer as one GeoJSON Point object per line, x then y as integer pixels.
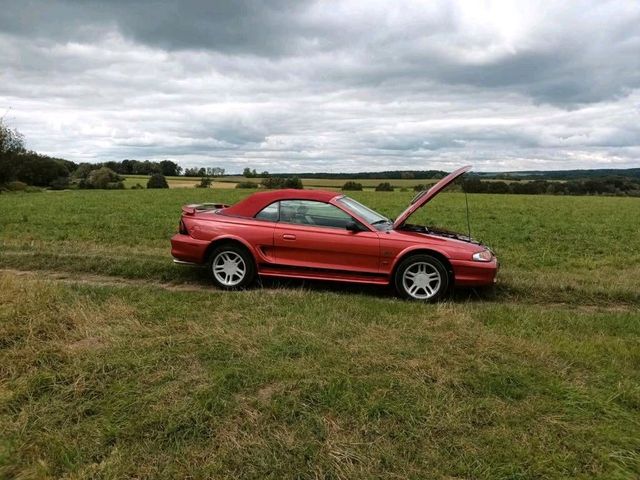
{"type": "Point", "coordinates": [312, 234]}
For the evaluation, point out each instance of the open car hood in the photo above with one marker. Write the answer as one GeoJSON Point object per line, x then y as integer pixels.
{"type": "Point", "coordinates": [423, 197]}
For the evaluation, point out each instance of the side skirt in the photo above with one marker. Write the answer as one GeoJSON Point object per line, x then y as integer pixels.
{"type": "Point", "coordinates": [321, 274]}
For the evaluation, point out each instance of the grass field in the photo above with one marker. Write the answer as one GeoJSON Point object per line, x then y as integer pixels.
{"type": "Point", "coordinates": [116, 364]}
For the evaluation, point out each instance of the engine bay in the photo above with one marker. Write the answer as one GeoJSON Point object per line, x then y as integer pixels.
{"type": "Point", "coordinates": [440, 232]}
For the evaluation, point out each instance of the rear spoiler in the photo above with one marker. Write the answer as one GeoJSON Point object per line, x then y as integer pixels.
{"type": "Point", "coordinates": [202, 207]}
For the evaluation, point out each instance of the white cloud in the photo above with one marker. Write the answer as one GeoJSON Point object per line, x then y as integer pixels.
{"type": "Point", "coordinates": [328, 86]}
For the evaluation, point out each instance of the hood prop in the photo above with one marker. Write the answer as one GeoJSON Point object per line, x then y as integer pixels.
{"type": "Point", "coordinates": [467, 204]}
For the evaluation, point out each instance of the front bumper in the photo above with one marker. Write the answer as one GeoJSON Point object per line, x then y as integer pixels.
{"type": "Point", "coordinates": [470, 273]}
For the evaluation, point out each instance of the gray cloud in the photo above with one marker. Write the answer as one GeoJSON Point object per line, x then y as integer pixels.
{"type": "Point", "coordinates": [290, 85]}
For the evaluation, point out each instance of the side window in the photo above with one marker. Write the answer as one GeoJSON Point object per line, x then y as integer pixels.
{"type": "Point", "coordinates": [307, 212]}
{"type": "Point", "coordinates": [269, 213]}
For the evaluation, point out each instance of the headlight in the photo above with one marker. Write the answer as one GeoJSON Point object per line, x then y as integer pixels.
{"type": "Point", "coordinates": [483, 256]}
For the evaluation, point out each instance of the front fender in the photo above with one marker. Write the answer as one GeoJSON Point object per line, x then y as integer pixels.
{"type": "Point", "coordinates": [419, 249]}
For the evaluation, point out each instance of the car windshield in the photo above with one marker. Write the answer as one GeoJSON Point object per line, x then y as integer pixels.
{"type": "Point", "coordinates": [370, 216]}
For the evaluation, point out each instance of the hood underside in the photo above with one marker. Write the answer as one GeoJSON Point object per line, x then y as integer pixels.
{"type": "Point", "coordinates": [423, 197]}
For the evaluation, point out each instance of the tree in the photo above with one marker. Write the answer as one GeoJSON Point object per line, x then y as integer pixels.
{"type": "Point", "coordinates": [473, 184]}
{"type": "Point", "coordinates": [84, 169]}
{"type": "Point", "coordinates": [247, 173]}
{"type": "Point", "coordinates": [169, 168]}
{"type": "Point", "coordinates": [205, 182]}
{"type": "Point", "coordinates": [16, 163]}
{"type": "Point", "coordinates": [157, 180]}
{"type": "Point", "coordinates": [39, 170]}
{"type": "Point", "coordinates": [214, 171]}
{"type": "Point", "coordinates": [11, 141]}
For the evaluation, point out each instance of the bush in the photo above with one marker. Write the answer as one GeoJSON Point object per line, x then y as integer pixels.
{"type": "Point", "coordinates": [83, 170]}
{"type": "Point", "coordinates": [292, 182]}
{"type": "Point", "coordinates": [205, 182]}
{"type": "Point", "coordinates": [384, 187]}
{"type": "Point", "coordinates": [272, 182]}
{"type": "Point", "coordinates": [247, 185]}
{"type": "Point", "coordinates": [16, 186]}
{"type": "Point", "coordinates": [352, 186]}
{"type": "Point", "coordinates": [277, 182]}
{"type": "Point", "coordinates": [102, 178]}
{"type": "Point", "coordinates": [59, 183]}
{"type": "Point", "coordinates": [157, 180]}
{"type": "Point", "coordinates": [419, 187]}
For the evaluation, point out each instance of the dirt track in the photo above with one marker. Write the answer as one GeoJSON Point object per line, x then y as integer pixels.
{"type": "Point", "coordinates": [110, 281]}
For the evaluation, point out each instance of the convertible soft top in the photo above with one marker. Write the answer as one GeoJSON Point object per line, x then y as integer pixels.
{"type": "Point", "coordinates": [253, 204]}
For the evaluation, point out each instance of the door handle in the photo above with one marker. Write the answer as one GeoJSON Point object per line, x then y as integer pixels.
{"type": "Point", "coordinates": [288, 236]}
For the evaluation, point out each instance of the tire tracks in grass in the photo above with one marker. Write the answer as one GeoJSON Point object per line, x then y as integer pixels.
{"type": "Point", "coordinates": [102, 280]}
{"type": "Point", "coordinates": [78, 278]}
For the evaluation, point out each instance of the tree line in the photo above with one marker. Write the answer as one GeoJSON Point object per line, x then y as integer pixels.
{"type": "Point", "coordinates": [611, 185]}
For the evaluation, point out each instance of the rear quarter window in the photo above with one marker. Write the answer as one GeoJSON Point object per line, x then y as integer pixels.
{"type": "Point", "coordinates": [270, 213]}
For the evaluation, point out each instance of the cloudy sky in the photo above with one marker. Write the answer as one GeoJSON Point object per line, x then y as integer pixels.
{"type": "Point", "coordinates": [326, 86]}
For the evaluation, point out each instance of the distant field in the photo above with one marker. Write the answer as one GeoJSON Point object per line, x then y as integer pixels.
{"type": "Point", "coordinates": [328, 183]}
{"type": "Point", "coordinates": [174, 182]}
{"type": "Point", "coordinates": [338, 183]}
{"type": "Point", "coordinates": [231, 181]}
{"type": "Point", "coordinates": [114, 363]}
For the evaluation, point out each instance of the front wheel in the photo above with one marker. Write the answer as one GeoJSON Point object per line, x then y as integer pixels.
{"type": "Point", "coordinates": [231, 267]}
{"type": "Point", "coordinates": [422, 277]}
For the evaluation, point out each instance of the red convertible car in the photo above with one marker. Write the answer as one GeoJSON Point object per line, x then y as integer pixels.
{"type": "Point", "coordinates": [320, 235]}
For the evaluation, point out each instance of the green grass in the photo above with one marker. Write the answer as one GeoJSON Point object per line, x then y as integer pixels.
{"type": "Point", "coordinates": [112, 382]}
{"type": "Point", "coordinates": [569, 249]}
{"type": "Point", "coordinates": [166, 377]}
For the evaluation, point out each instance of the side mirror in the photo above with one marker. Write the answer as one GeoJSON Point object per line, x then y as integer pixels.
{"type": "Point", "coordinates": [354, 227]}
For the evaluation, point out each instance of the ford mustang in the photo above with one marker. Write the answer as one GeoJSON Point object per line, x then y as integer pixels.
{"type": "Point", "coordinates": [322, 235]}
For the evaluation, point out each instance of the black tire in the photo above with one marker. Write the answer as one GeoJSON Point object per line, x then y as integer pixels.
{"type": "Point", "coordinates": [431, 286]}
{"type": "Point", "coordinates": [226, 254]}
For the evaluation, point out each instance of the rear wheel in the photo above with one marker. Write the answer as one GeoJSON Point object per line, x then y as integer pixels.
{"type": "Point", "coordinates": [422, 277]}
{"type": "Point", "coordinates": [231, 267]}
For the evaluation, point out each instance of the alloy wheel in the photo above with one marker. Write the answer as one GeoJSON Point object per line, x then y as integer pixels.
{"type": "Point", "coordinates": [421, 280]}
{"type": "Point", "coordinates": [229, 268]}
